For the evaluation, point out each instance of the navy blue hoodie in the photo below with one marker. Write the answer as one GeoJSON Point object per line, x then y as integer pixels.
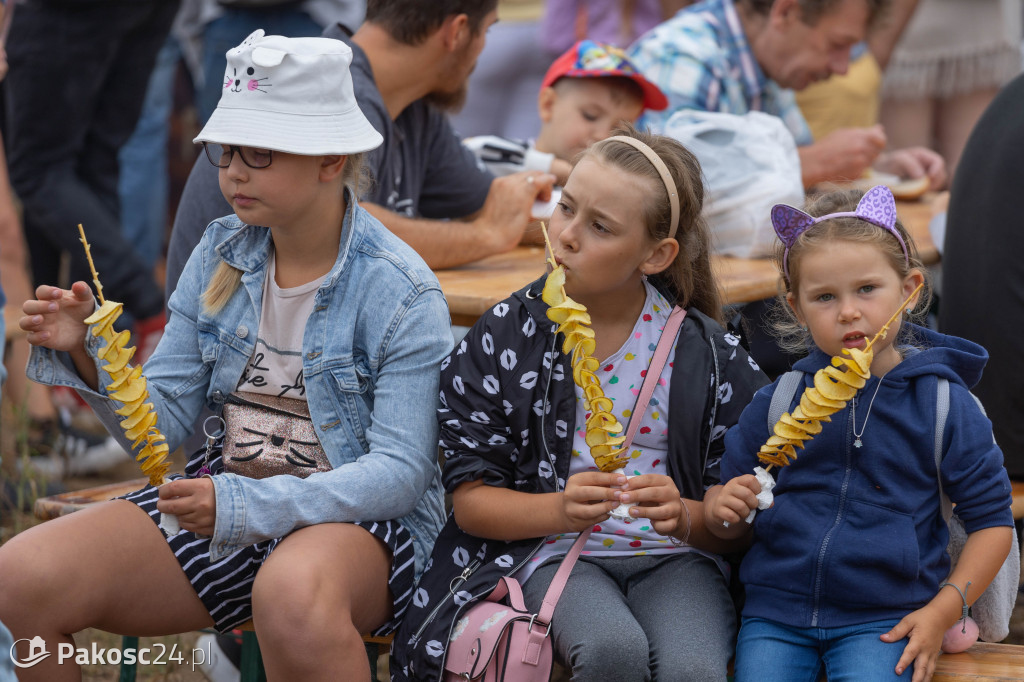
{"type": "Point", "coordinates": [855, 534]}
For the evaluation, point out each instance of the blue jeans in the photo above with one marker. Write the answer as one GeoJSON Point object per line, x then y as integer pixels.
{"type": "Point", "coordinates": [766, 650]}
{"type": "Point", "coordinates": [144, 180]}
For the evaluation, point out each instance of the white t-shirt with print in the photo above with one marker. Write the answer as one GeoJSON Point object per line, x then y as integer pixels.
{"type": "Point", "coordinates": [275, 367]}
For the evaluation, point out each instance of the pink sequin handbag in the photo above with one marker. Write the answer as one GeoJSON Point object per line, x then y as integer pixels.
{"type": "Point", "coordinates": [269, 436]}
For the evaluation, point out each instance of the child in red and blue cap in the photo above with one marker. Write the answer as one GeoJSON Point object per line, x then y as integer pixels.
{"type": "Point", "coordinates": [586, 93]}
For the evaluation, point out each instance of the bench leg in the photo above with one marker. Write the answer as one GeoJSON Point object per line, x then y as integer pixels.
{"type": "Point", "coordinates": [373, 653]}
{"type": "Point", "coordinates": [127, 673]}
{"type": "Point", "coordinates": [252, 663]}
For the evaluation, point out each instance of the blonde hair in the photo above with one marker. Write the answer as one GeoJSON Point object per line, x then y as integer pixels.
{"type": "Point", "coordinates": [793, 337]}
{"type": "Point", "coordinates": [688, 278]}
{"type": "Point", "coordinates": [226, 278]}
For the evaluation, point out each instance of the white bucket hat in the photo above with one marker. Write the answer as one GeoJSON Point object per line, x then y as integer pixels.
{"type": "Point", "coordinates": [291, 95]}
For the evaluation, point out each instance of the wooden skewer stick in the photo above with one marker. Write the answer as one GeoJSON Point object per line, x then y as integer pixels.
{"type": "Point", "coordinates": [885, 328]}
{"type": "Point", "coordinates": [92, 266]}
{"type": "Point", "coordinates": [547, 244]}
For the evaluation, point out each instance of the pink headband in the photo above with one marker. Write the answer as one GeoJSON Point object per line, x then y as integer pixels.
{"type": "Point", "coordinates": [877, 207]}
{"type": "Point", "coordinates": [666, 177]}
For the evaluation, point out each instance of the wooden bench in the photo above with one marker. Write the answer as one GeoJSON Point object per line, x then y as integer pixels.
{"type": "Point", "coordinates": [251, 666]}
{"type": "Point", "coordinates": [1017, 503]}
{"type": "Point", "coordinates": [983, 662]}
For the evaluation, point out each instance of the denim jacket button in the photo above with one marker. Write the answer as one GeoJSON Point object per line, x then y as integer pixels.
{"type": "Point", "coordinates": [242, 331]}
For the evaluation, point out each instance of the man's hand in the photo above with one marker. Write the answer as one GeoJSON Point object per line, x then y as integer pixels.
{"type": "Point", "coordinates": [842, 155]}
{"type": "Point", "coordinates": [506, 212]}
{"type": "Point", "coordinates": [914, 162]}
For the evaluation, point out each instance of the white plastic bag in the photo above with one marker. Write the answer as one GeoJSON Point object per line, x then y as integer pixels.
{"type": "Point", "coordinates": [750, 163]}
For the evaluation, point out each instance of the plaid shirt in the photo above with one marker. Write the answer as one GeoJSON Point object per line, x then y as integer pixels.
{"type": "Point", "coordinates": [701, 60]}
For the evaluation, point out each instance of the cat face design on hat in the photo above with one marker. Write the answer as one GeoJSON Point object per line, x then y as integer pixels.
{"type": "Point", "coordinates": [234, 82]}
{"type": "Point", "coordinates": [252, 57]}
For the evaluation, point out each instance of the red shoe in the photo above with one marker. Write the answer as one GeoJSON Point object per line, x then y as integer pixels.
{"type": "Point", "coordinates": [148, 333]}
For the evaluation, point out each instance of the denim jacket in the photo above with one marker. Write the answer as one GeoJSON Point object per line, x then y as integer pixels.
{"type": "Point", "coordinates": [371, 352]}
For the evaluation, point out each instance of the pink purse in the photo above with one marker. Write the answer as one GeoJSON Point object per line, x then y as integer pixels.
{"type": "Point", "coordinates": [498, 639]}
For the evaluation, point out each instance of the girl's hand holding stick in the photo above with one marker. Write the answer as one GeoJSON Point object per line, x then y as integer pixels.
{"type": "Point", "coordinates": [59, 320]}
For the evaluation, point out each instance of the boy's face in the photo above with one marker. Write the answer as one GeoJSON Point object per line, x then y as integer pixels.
{"type": "Point", "coordinates": [577, 112]}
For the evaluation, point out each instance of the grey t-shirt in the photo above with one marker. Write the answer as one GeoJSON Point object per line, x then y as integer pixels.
{"type": "Point", "coordinates": [420, 170]}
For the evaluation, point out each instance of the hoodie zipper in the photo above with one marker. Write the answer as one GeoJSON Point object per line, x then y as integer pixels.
{"type": "Point", "coordinates": [714, 403]}
{"type": "Point", "coordinates": [823, 551]}
{"type": "Point", "coordinates": [544, 411]}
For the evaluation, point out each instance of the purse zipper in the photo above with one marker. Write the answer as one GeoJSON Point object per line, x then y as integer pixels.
{"type": "Point", "coordinates": [235, 400]}
{"type": "Point", "coordinates": [455, 584]}
{"type": "Point", "coordinates": [475, 598]}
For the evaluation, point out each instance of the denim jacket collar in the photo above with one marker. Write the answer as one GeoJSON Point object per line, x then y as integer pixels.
{"type": "Point", "coordinates": [249, 248]}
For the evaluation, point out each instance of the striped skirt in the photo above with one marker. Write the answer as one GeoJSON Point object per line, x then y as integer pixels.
{"type": "Point", "coordinates": [225, 585]}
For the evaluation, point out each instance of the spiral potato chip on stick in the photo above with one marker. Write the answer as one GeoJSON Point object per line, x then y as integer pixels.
{"type": "Point", "coordinates": [602, 428]}
{"type": "Point", "coordinates": [128, 386]}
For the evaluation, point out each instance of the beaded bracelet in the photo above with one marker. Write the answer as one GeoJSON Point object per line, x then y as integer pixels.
{"type": "Point", "coordinates": [963, 596]}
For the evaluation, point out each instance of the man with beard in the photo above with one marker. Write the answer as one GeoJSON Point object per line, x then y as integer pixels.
{"type": "Point", "coordinates": [411, 62]}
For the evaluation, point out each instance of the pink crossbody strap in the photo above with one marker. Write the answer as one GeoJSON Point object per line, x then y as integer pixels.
{"type": "Point", "coordinates": [668, 337]}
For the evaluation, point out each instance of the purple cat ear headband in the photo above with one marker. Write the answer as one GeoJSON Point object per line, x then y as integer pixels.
{"type": "Point", "coordinates": [877, 206]}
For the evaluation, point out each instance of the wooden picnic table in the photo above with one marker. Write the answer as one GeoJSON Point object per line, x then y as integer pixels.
{"type": "Point", "coordinates": [474, 288]}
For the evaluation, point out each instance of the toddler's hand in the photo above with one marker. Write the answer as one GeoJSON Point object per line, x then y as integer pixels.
{"type": "Point", "coordinates": [193, 501]}
{"type": "Point", "coordinates": [657, 498]}
{"type": "Point", "coordinates": [589, 498]}
{"type": "Point", "coordinates": [736, 499]}
{"type": "Point", "coordinates": [55, 318]}
{"type": "Point", "coordinates": [924, 630]}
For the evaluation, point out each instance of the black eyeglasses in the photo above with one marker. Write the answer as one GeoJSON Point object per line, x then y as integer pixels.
{"type": "Point", "coordinates": [220, 155]}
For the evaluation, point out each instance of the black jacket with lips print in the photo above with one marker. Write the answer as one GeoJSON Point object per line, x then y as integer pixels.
{"type": "Point", "coordinates": [507, 416]}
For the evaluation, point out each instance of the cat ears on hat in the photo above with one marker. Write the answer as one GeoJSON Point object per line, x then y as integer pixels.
{"type": "Point", "coordinates": [877, 207]}
{"type": "Point", "coordinates": [261, 56]}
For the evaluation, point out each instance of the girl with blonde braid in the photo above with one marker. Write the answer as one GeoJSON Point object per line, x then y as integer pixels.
{"type": "Point", "coordinates": [302, 302]}
{"type": "Point", "coordinates": [523, 454]}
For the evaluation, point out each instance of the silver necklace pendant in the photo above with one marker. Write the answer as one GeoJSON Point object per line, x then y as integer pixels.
{"type": "Point", "coordinates": [857, 443]}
